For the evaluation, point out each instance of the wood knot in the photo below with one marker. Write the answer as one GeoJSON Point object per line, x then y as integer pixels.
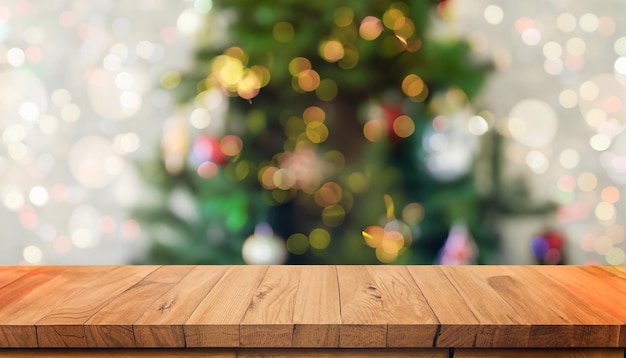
{"type": "Point", "coordinates": [166, 306]}
{"type": "Point", "coordinates": [373, 291]}
{"type": "Point", "coordinates": [263, 291]}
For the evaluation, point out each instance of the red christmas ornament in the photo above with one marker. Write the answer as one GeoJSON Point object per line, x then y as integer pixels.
{"type": "Point", "coordinates": [207, 149]}
{"type": "Point", "coordinates": [442, 5]}
{"type": "Point", "coordinates": [548, 247]}
{"type": "Point", "coordinates": [392, 113]}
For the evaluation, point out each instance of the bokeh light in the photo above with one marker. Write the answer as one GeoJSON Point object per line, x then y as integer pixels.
{"type": "Point", "coordinates": [83, 95]}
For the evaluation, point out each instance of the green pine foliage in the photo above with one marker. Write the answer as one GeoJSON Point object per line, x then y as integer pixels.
{"type": "Point", "coordinates": [360, 70]}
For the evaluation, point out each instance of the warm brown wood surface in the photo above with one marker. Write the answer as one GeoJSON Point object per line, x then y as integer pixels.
{"type": "Point", "coordinates": [249, 307]}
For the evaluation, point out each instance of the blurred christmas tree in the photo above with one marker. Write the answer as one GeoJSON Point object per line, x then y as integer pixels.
{"type": "Point", "coordinates": [324, 132]}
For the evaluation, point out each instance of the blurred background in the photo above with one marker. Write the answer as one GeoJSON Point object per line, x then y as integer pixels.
{"type": "Point", "coordinates": [213, 132]}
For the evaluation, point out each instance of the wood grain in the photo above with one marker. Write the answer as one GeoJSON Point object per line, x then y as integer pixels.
{"type": "Point", "coordinates": [383, 307]}
{"type": "Point", "coordinates": [353, 353]}
{"type": "Point", "coordinates": [459, 326]}
{"type": "Point", "coordinates": [583, 316]}
{"type": "Point", "coordinates": [28, 309]}
{"type": "Point", "coordinates": [63, 326]}
{"type": "Point", "coordinates": [19, 330]}
{"type": "Point", "coordinates": [12, 273]}
{"type": "Point", "coordinates": [117, 353]}
{"type": "Point", "coordinates": [225, 353]}
{"type": "Point", "coordinates": [268, 320]}
{"type": "Point", "coordinates": [112, 325]}
{"type": "Point", "coordinates": [161, 325]}
{"type": "Point", "coordinates": [410, 320]}
{"type": "Point", "coordinates": [363, 322]}
{"type": "Point", "coordinates": [539, 353]}
{"type": "Point", "coordinates": [215, 322]}
{"type": "Point", "coordinates": [596, 288]}
{"type": "Point", "coordinates": [500, 324]}
{"type": "Point", "coordinates": [317, 315]}
{"type": "Point", "coordinates": [287, 310]}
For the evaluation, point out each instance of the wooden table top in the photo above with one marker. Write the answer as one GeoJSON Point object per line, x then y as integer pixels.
{"type": "Point", "coordinates": [313, 306]}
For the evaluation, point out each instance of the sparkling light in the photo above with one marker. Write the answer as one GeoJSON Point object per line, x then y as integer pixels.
{"type": "Point", "coordinates": [569, 158]}
{"type": "Point", "coordinates": [371, 27]}
{"type": "Point", "coordinates": [552, 50]}
{"type": "Point", "coordinates": [553, 66]}
{"type": "Point", "coordinates": [124, 81]}
{"type": "Point", "coordinates": [112, 63]}
{"type": "Point", "coordinates": [403, 126]}
{"type": "Point", "coordinates": [533, 122]}
{"type": "Point", "coordinates": [203, 5]}
{"type": "Point", "coordinates": [568, 98]}
{"type": "Point", "coordinates": [82, 238]}
{"type": "Point", "coordinates": [589, 91]}
{"type": "Point", "coordinates": [13, 199]}
{"type": "Point", "coordinates": [493, 14]}
{"type": "Point", "coordinates": [32, 254]}
{"type": "Point", "coordinates": [605, 211]}
{"type": "Point", "coordinates": [620, 46]}
{"type": "Point", "coordinates": [589, 22]}
{"type": "Point", "coordinates": [38, 196]}
{"type": "Point", "coordinates": [48, 124]}
{"type": "Point", "coordinates": [332, 50]}
{"type": "Point", "coordinates": [298, 244]}
{"type": "Point", "coordinates": [188, 22]}
{"type": "Point", "coordinates": [16, 57]}
{"type": "Point", "coordinates": [537, 162]}
{"type": "Point", "coordinates": [620, 65]}
{"type": "Point", "coordinates": [531, 36]}
{"type": "Point", "coordinates": [587, 181]}
{"type": "Point", "coordinates": [607, 26]}
{"type": "Point", "coordinates": [319, 239]}
{"type": "Point", "coordinates": [615, 256]}
{"type": "Point", "coordinates": [86, 160]}
{"type": "Point", "coordinates": [566, 22]}
{"type": "Point", "coordinates": [600, 142]}
{"type": "Point", "coordinates": [477, 125]}
{"type": "Point", "coordinates": [61, 97]}
{"type": "Point", "coordinates": [29, 111]}
{"type": "Point", "coordinates": [126, 143]}
{"type": "Point", "coordinates": [610, 194]}
{"type": "Point", "coordinates": [576, 46]}
{"type": "Point", "coordinates": [70, 112]}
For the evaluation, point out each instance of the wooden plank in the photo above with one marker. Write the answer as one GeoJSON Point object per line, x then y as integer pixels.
{"type": "Point", "coordinates": [381, 306]}
{"type": "Point", "coordinates": [117, 353]}
{"type": "Point", "coordinates": [549, 327]}
{"type": "Point", "coordinates": [540, 353]}
{"type": "Point", "coordinates": [618, 270]}
{"type": "Point", "coordinates": [15, 332]}
{"type": "Point", "coordinates": [36, 304]}
{"type": "Point", "coordinates": [9, 274]}
{"type": "Point", "coordinates": [112, 325]}
{"type": "Point", "coordinates": [458, 324]}
{"type": "Point", "coordinates": [596, 290]}
{"type": "Point", "coordinates": [268, 320]}
{"type": "Point", "coordinates": [317, 315]}
{"type": "Point", "coordinates": [588, 326]}
{"type": "Point", "coordinates": [64, 325]}
{"type": "Point", "coordinates": [410, 320]}
{"type": "Point", "coordinates": [225, 353]}
{"type": "Point", "coordinates": [363, 322]}
{"type": "Point", "coordinates": [215, 323]}
{"type": "Point", "coordinates": [500, 324]}
{"type": "Point", "coordinates": [351, 307]}
{"type": "Point", "coordinates": [352, 352]}
{"type": "Point", "coordinates": [161, 325]}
